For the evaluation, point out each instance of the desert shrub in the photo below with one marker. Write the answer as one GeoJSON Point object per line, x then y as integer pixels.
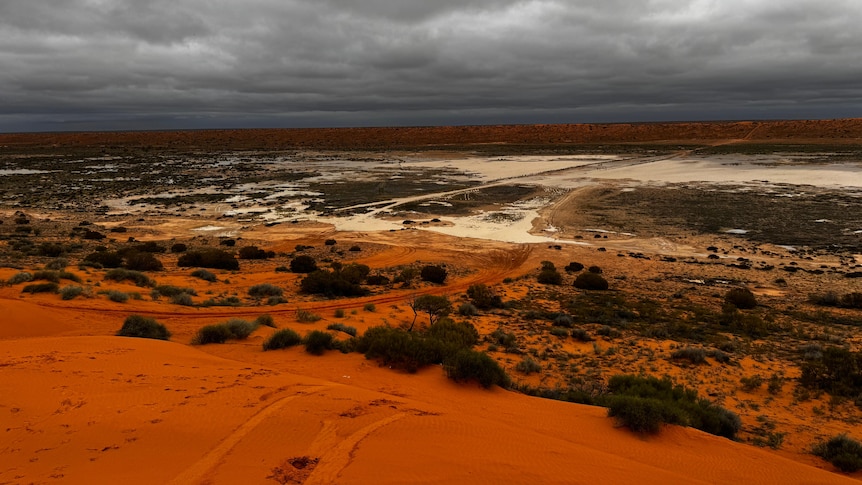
{"type": "Point", "coordinates": [483, 297]}
{"type": "Point", "coordinates": [52, 250]}
{"type": "Point", "coordinates": [467, 310]}
{"type": "Point", "coordinates": [183, 299]}
{"type": "Point", "coordinates": [573, 267]}
{"type": "Point", "coordinates": [595, 270]}
{"type": "Point", "coordinates": [581, 335]}
{"type": "Point", "coordinates": [842, 451]}
{"type": "Point", "coordinates": [433, 274]}
{"type": "Point", "coordinates": [170, 290]}
{"type": "Point", "coordinates": [549, 277]}
{"type": "Point", "coordinates": [458, 334]}
{"type": "Point", "coordinates": [377, 280]}
{"type": "Point", "coordinates": [265, 320]}
{"type": "Point", "coordinates": [212, 334]}
{"type": "Point", "coordinates": [304, 316]}
{"type": "Point", "coordinates": [93, 235]}
{"type": "Point", "coordinates": [282, 339]}
{"type": "Point", "coordinates": [122, 274]}
{"type": "Point", "coordinates": [407, 275]}
{"type": "Point", "coordinates": [355, 249]}
{"type": "Point", "coordinates": [228, 242]}
{"type": "Point", "coordinates": [528, 366]}
{"type": "Point", "coordinates": [340, 327]}
{"type": "Point", "coordinates": [354, 273]}
{"type": "Point", "coordinates": [143, 261]}
{"type": "Point", "coordinates": [57, 264]}
{"type": "Point", "coordinates": [179, 248]}
{"type": "Point", "coordinates": [148, 247]}
{"type": "Point", "coordinates": [317, 342]}
{"type": "Point", "coordinates": [71, 292]}
{"type": "Point", "coordinates": [339, 313]}
{"type": "Point", "coordinates": [303, 264]}
{"type": "Point", "coordinates": [49, 287]}
{"type": "Point", "coordinates": [838, 372]}
{"type": "Point", "coordinates": [329, 242]}
{"type": "Point", "coordinates": [741, 298]}
{"type": "Point", "coordinates": [204, 275]}
{"type": "Point", "coordinates": [691, 354]}
{"type": "Point", "coordinates": [563, 320]}
{"type": "Point", "coordinates": [276, 300]}
{"type": "Point", "coordinates": [208, 258]}
{"type": "Point", "coordinates": [117, 296]}
{"type": "Point", "coordinates": [254, 252]}
{"type": "Point", "coordinates": [107, 259]}
{"type": "Point", "coordinates": [222, 301]}
{"type": "Point", "coordinates": [645, 403]}
{"type": "Point", "coordinates": [143, 327]}
{"type": "Point", "coordinates": [240, 329]}
{"type": "Point", "coordinates": [590, 281]}
{"type": "Point", "coordinates": [264, 289]}
{"type": "Point", "coordinates": [329, 284]}
{"type": "Point", "coordinates": [52, 276]}
{"type": "Point", "coordinates": [559, 332]}
{"type": "Point", "coordinates": [369, 307]}
{"type": "Point", "coordinates": [720, 356]}
{"type": "Point", "coordinates": [469, 364]}
{"type": "Point", "coordinates": [507, 340]}
{"type": "Point", "coordinates": [18, 278]}
{"type": "Point", "coordinates": [395, 348]}
{"type": "Point", "coordinates": [850, 300]}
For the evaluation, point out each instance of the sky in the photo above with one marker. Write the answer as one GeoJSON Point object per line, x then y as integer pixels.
{"type": "Point", "coordinates": [173, 64]}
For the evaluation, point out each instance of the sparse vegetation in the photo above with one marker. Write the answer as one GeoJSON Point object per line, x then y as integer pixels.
{"type": "Point", "coordinates": [340, 327]}
{"type": "Point", "coordinates": [136, 277]}
{"type": "Point", "coordinates": [282, 339]}
{"type": "Point", "coordinates": [304, 316]}
{"type": "Point", "coordinates": [204, 275]}
{"type": "Point", "coordinates": [143, 327]}
{"type": "Point", "coordinates": [842, 451]}
{"type": "Point", "coordinates": [264, 290]}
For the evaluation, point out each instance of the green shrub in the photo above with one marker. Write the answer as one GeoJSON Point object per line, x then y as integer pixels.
{"type": "Point", "coordinates": [212, 334]}
{"type": "Point", "coordinates": [49, 287]}
{"type": "Point", "coordinates": [643, 415]}
{"type": "Point", "coordinates": [304, 316]}
{"type": "Point", "coordinates": [276, 300]}
{"type": "Point", "coordinates": [842, 451]}
{"type": "Point", "coordinates": [330, 284]}
{"type": "Point", "coordinates": [692, 354]}
{"type": "Point", "coordinates": [468, 310]}
{"type": "Point", "coordinates": [183, 299]}
{"type": "Point", "coordinates": [143, 327]}
{"type": "Point", "coordinates": [433, 274]}
{"type": "Point", "coordinates": [528, 366]}
{"type": "Point", "coordinates": [265, 320]}
{"type": "Point", "coordinates": [18, 278]}
{"type": "Point", "coordinates": [507, 340]}
{"type": "Point", "coordinates": [396, 348]}
{"type": "Point", "coordinates": [170, 290]}
{"type": "Point", "coordinates": [469, 364]}
{"type": "Point", "coordinates": [71, 292]}
{"type": "Point", "coordinates": [369, 307]}
{"type": "Point", "coordinates": [263, 290]}
{"type": "Point", "coordinates": [240, 329]}
{"type": "Point", "coordinates": [549, 277]}
{"type": "Point", "coordinates": [317, 342]}
{"type": "Point", "coordinates": [340, 327]}
{"type": "Point", "coordinates": [208, 258]}
{"type": "Point", "coordinates": [303, 264]}
{"type": "Point", "coordinates": [591, 281]}
{"type": "Point", "coordinates": [117, 296]}
{"type": "Point", "coordinates": [484, 297]}
{"type": "Point", "coordinates": [282, 339]}
{"type": "Point", "coordinates": [741, 298]}
{"type": "Point", "coordinates": [204, 275]}
{"type": "Point", "coordinates": [121, 274]}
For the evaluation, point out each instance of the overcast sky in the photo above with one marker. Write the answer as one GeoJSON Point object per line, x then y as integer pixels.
{"type": "Point", "coordinates": [125, 64]}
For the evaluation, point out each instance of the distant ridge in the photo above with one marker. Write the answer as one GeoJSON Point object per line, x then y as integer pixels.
{"type": "Point", "coordinates": [840, 131]}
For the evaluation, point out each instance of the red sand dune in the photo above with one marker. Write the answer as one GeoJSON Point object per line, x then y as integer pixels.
{"type": "Point", "coordinates": [113, 409]}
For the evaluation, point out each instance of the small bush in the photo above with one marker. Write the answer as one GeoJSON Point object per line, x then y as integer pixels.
{"type": "Point", "coordinates": [550, 277]}
{"type": "Point", "coordinates": [57, 264]}
{"type": "Point", "coordinates": [49, 287]}
{"type": "Point", "coordinates": [107, 259]}
{"type": "Point", "coordinates": [212, 334]}
{"type": "Point", "coordinates": [433, 274]}
{"type": "Point", "coordinates": [591, 281]}
{"type": "Point", "coordinates": [469, 364]}
{"type": "Point", "coordinates": [265, 320]}
{"type": "Point", "coordinates": [329, 242]}
{"type": "Point", "coordinates": [330, 284]}
{"type": "Point", "coordinates": [304, 316]}
{"type": "Point", "coordinates": [208, 258]}
{"type": "Point", "coordinates": [395, 348]}
{"type": "Point", "coordinates": [143, 327]}
{"type": "Point", "coordinates": [564, 320]}
{"type": "Point", "coordinates": [355, 249]}
{"type": "Point", "coordinates": [204, 275]}
{"type": "Point", "coordinates": [692, 354]}
{"type": "Point", "coordinates": [559, 332]}
{"type": "Point", "coordinates": [842, 451]}
{"type": "Point", "coordinates": [18, 278]}
{"type": "Point", "coordinates": [71, 292]}
{"type": "Point", "coordinates": [468, 310]}
{"type": "Point", "coordinates": [369, 307]}
{"type": "Point", "coordinates": [339, 313]}
{"type": "Point", "coordinates": [317, 342]}
{"type": "Point", "coordinates": [143, 261]}
{"type": "Point", "coordinates": [276, 300]}
{"type": "Point", "coordinates": [303, 264]}
{"type": "Point", "coordinates": [573, 267]}
{"type": "Point", "coordinates": [483, 297]}
{"type": "Point", "coordinates": [528, 366]}
{"type": "Point", "coordinates": [254, 252]}
{"type": "Point", "coordinates": [340, 327]}
{"type": "Point", "coordinates": [595, 270]}
{"type": "Point", "coordinates": [183, 299]}
{"type": "Point", "coordinates": [282, 339]}
{"type": "Point", "coordinates": [377, 280]}
{"type": "Point", "coordinates": [741, 298]}
{"type": "Point", "coordinates": [581, 335]}
{"type": "Point", "coordinates": [264, 289]}
{"type": "Point", "coordinates": [240, 329]}
{"type": "Point", "coordinates": [136, 277]}
{"type": "Point", "coordinates": [179, 248]}
{"type": "Point", "coordinates": [117, 296]}
{"type": "Point", "coordinates": [170, 290]}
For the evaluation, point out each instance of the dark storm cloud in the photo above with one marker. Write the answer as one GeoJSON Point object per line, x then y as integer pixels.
{"type": "Point", "coordinates": [103, 64]}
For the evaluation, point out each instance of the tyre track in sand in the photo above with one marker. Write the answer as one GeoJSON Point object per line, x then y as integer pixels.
{"type": "Point", "coordinates": [210, 461]}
